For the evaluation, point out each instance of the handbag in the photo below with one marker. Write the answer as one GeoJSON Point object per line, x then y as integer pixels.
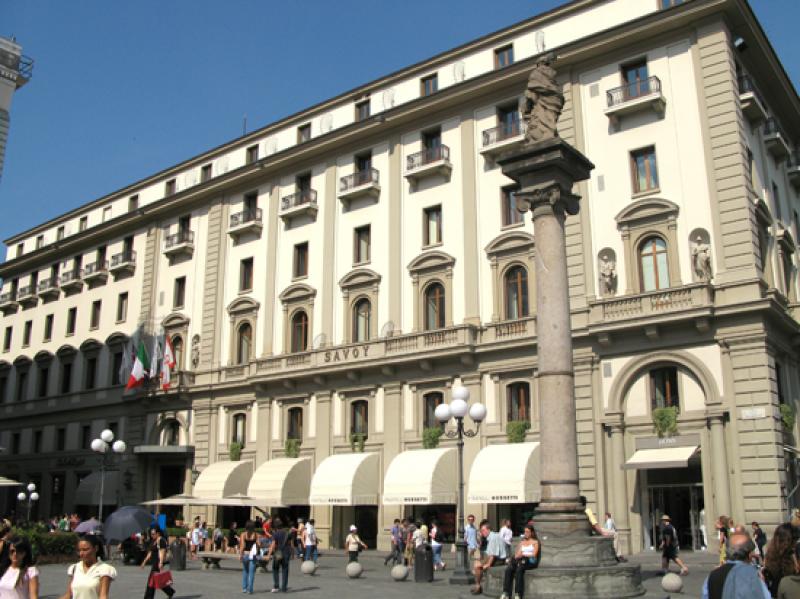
{"type": "Point", "coordinates": [160, 580]}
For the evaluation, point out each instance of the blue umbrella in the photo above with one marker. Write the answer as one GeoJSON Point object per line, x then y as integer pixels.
{"type": "Point", "coordinates": [126, 521]}
{"type": "Point", "coordinates": [89, 527]}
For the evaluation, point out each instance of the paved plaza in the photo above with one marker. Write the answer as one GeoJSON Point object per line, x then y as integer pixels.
{"type": "Point", "coordinates": [195, 583]}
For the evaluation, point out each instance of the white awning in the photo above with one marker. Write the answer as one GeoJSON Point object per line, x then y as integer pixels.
{"type": "Point", "coordinates": [507, 473]}
{"type": "Point", "coordinates": [422, 476]}
{"type": "Point", "coordinates": [179, 500]}
{"type": "Point", "coordinates": [346, 479]}
{"type": "Point", "coordinates": [7, 482]}
{"type": "Point", "coordinates": [663, 457]}
{"type": "Point", "coordinates": [282, 482]}
{"type": "Point", "coordinates": [223, 479]}
{"type": "Point", "coordinates": [88, 491]}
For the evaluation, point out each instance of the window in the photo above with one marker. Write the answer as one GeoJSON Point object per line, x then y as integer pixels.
{"type": "Point", "coordinates": [48, 327]}
{"type": "Point", "coordinates": [72, 319]}
{"type": "Point", "coordinates": [170, 187]}
{"type": "Point", "coordinates": [37, 441]}
{"type": "Point", "coordinates": [133, 203]}
{"type": "Point", "coordinates": [114, 428]}
{"type": "Point", "coordinates": [244, 343]}
{"type": "Point", "coordinates": [250, 206]}
{"type": "Point", "coordinates": [653, 264]}
{"type": "Point", "coordinates": [179, 293]}
{"type": "Point", "coordinates": [86, 436]}
{"type": "Point", "coordinates": [508, 121]}
{"type": "Point", "coordinates": [664, 388]}
{"type": "Point", "coordinates": [39, 241]}
{"type": "Point", "coordinates": [61, 439]}
{"type": "Point", "coordinates": [361, 243]}
{"type": "Point", "coordinates": [636, 80]}
{"type": "Point", "coordinates": [106, 213]}
{"type": "Point", "coordinates": [7, 338]}
{"type": "Point", "coordinates": [66, 377]}
{"type": "Point", "coordinates": [432, 141]}
{"type": "Point", "coordinates": [359, 418]}
{"type": "Point", "coordinates": [777, 199]}
{"type": "Point", "coordinates": [429, 85]}
{"type": "Point", "coordinates": [508, 203]}
{"type": "Point", "coordinates": [15, 443]}
{"type": "Point", "coordinates": [34, 281]}
{"type": "Point", "coordinates": [116, 367]}
{"type": "Point", "coordinates": [26, 333]}
{"type": "Point", "coordinates": [60, 233]}
{"type": "Point", "coordinates": [300, 265]}
{"type": "Point", "coordinates": [516, 288]}
{"type": "Point", "coordinates": [362, 110]}
{"type": "Point", "coordinates": [3, 388]}
{"type": "Point", "coordinates": [252, 154]}
{"type": "Point", "coordinates": [44, 373]}
{"type": "Point", "coordinates": [205, 173]}
{"type": "Point", "coordinates": [184, 223]}
{"type": "Point", "coordinates": [302, 183]}
{"type": "Point", "coordinates": [177, 349]}
{"type": "Point", "coordinates": [239, 429]}
{"type": "Point", "coordinates": [299, 333]}
{"type": "Point", "coordinates": [432, 233]}
{"type": "Point", "coordinates": [90, 376]}
{"type": "Point", "coordinates": [787, 267]}
{"type": "Point", "coordinates": [434, 307]}
{"type": "Point", "coordinates": [364, 164]}
{"type": "Point", "coordinates": [83, 223]}
{"type": "Point", "coordinates": [362, 317]}
{"type": "Point", "coordinates": [518, 402]}
{"type": "Point", "coordinates": [22, 385]}
{"type": "Point", "coordinates": [94, 321]}
{"type": "Point", "coordinates": [643, 169]}
{"type": "Point", "coordinates": [294, 430]}
{"type": "Point", "coordinates": [430, 401]}
{"type": "Point", "coordinates": [779, 383]}
{"type": "Point", "coordinates": [246, 274]}
{"type": "Point", "coordinates": [503, 56]}
{"type": "Point", "coordinates": [122, 307]}
{"type": "Point", "coordinates": [304, 133]}
{"type": "Point", "coordinates": [172, 433]}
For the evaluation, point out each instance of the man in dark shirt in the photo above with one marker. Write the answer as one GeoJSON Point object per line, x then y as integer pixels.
{"type": "Point", "coordinates": [760, 538]}
{"type": "Point", "coordinates": [281, 552]}
{"type": "Point", "coordinates": [669, 546]}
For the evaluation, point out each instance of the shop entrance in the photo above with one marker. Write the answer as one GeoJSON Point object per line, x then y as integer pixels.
{"type": "Point", "coordinates": [518, 513]}
{"type": "Point", "coordinates": [445, 516]}
{"type": "Point", "coordinates": [170, 482]}
{"type": "Point", "coordinates": [677, 492]}
{"type": "Point", "coordinates": [365, 518]}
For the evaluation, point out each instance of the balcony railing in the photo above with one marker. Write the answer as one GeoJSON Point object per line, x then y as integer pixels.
{"type": "Point", "coordinates": [298, 199]}
{"type": "Point", "coordinates": [775, 139]}
{"type": "Point", "coordinates": [793, 168]}
{"type": "Point", "coordinates": [72, 279]}
{"type": "Point", "coordinates": [8, 297]}
{"type": "Point", "coordinates": [688, 298]}
{"type": "Point", "coordinates": [427, 156]}
{"type": "Point", "coordinates": [95, 268]}
{"type": "Point", "coordinates": [49, 287]}
{"type": "Point", "coordinates": [502, 132]}
{"type": "Point", "coordinates": [635, 97]}
{"type": "Point", "coordinates": [245, 217]}
{"type": "Point", "coordinates": [632, 91]}
{"type": "Point", "coordinates": [122, 258]}
{"type": "Point", "coordinates": [26, 294]}
{"type": "Point", "coordinates": [358, 179]}
{"type": "Point", "coordinates": [753, 106]}
{"type": "Point", "coordinates": [179, 238]}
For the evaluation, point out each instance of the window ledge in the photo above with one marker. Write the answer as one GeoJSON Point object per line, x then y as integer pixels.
{"type": "Point", "coordinates": [644, 194]}
{"type": "Point", "coordinates": [72, 334]}
{"type": "Point", "coordinates": [94, 328]}
{"type": "Point", "coordinates": [431, 245]}
{"type": "Point", "coordinates": [300, 278]}
{"type": "Point", "coordinates": [245, 291]}
{"type": "Point", "coordinates": [513, 226]}
{"type": "Point", "coordinates": [181, 307]}
{"type": "Point", "coordinates": [364, 263]}
{"type": "Point", "coordinates": [120, 321]}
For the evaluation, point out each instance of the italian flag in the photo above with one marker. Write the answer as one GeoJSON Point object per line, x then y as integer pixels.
{"type": "Point", "coordinates": [138, 372]}
{"type": "Point", "coordinates": [169, 362]}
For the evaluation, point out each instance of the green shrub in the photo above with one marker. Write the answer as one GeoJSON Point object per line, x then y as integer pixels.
{"type": "Point", "coordinates": [431, 436]}
{"type": "Point", "coordinates": [292, 447]}
{"type": "Point", "coordinates": [516, 430]}
{"type": "Point", "coordinates": [788, 416]}
{"type": "Point", "coordinates": [235, 451]}
{"type": "Point", "coordinates": [178, 532]}
{"type": "Point", "coordinates": [357, 442]}
{"type": "Point", "coordinates": [50, 547]}
{"type": "Point", "coordinates": [665, 421]}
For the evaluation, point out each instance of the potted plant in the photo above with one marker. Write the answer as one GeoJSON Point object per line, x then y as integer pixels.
{"type": "Point", "coordinates": [431, 436]}
{"type": "Point", "coordinates": [665, 421]}
{"type": "Point", "coordinates": [516, 431]}
{"type": "Point", "coordinates": [235, 451]}
{"type": "Point", "coordinates": [357, 442]}
{"type": "Point", "coordinates": [292, 448]}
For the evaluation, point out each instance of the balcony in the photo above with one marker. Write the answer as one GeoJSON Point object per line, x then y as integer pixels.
{"type": "Point", "coordinates": [753, 107]}
{"type": "Point", "coordinates": [509, 330]}
{"type": "Point", "coordinates": [247, 221]}
{"type": "Point", "coordinates": [631, 98]}
{"type": "Point", "coordinates": [361, 184]}
{"type": "Point", "coordinates": [49, 288]}
{"type": "Point", "coordinates": [26, 296]}
{"type": "Point", "coordinates": [502, 138]}
{"type": "Point", "coordinates": [8, 302]}
{"type": "Point", "coordinates": [690, 300]}
{"type": "Point", "coordinates": [301, 203]}
{"type": "Point", "coordinates": [96, 273]}
{"type": "Point", "coordinates": [427, 163]}
{"type": "Point", "coordinates": [72, 280]}
{"type": "Point", "coordinates": [179, 243]}
{"type": "Point", "coordinates": [775, 140]}
{"type": "Point", "coordinates": [123, 263]}
{"type": "Point", "coordinates": [793, 169]}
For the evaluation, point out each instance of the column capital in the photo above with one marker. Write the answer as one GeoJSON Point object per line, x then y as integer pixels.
{"type": "Point", "coordinates": [554, 199]}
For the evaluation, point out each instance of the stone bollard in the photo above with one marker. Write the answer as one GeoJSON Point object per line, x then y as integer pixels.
{"type": "Point", "coordinates": [354, 570]}
{"type": "Point", "coordinates": [308, 567]}
{"type": "Point", "coordinates": [399, 573]}
{"type": "Point", "coordinates": [672, 583]}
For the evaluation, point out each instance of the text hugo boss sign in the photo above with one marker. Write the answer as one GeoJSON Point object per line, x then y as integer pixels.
{"type": "Point", "coordinates": [348, 353]}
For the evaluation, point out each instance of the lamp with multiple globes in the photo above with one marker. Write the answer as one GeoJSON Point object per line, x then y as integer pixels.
{"type": "Point", "coordinates": [102, 445]}
{"type": "Point", "coordinates": [30, 497]}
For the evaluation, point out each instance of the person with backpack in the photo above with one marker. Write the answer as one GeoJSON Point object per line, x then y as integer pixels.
{"type": "Point", "coordinates": [669, 547]}
{"type": "Point", "coordinates": [280, 551]}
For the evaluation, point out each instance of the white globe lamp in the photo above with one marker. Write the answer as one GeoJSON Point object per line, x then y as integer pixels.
{"type": "Point", "coordinates": [477, 412]}
{"type": "Point", "coordinates": [461, 393]}
{"type": "Point", "coordinates": [31, 487]}
{"type": "Point", "coordinates": [119, 446]}
{"type": "Point", "coordinates": [442, 412]}
{"type": "Point", "coordinates": [99, 446]}
{"type": "Point", "coordinates": [107, 436]}
{"type": "Point", "coordinates": [21, 496]}
{"type": "Point", "coordinates": [34, 496]}
{"type": "Point", "coordinates": [459, 408]}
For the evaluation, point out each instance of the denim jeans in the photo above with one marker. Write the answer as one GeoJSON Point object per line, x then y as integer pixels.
{"type": "Point", "coordinates": [248, 574]}
{"type": "Point", "coordinates": [283, 567]}
{"type": "Point", "coordinates": [312, 553]}
{"type": "Point", "coordinates": [437, 555]}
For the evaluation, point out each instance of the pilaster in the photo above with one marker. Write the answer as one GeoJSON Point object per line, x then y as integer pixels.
{"type": "Point", "coordinates": [273, 201]}
{"type": "Point", "coordinates": [469, 212]}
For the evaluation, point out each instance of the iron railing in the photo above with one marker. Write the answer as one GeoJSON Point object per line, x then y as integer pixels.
{"type": "Point", "coordinates": [7, 297]}
{"type": "Point", "coordinates": [631, 91]}
{"type": "Point", "coordinates": [793, 161]}
{"type": "Point", "coordinates": [300, 198]}
{"type": "Point", "coordinates": [70, 276]}
{"type": "Point", "coordinates": [179, 238]}
{"type": "Point", "coordinates": [359, 178]}
{"type": "Point", "coordinates": [771, 127]}
{"type": "Point", "coordinates": [501, 132]}
{"type": "Point", "coordinates": [26, 291]}
{"type": "Point", "coordinates": [427, 156]}
{"type": "Point", "coordinates": [95, 268]}
{"type": "Point", "coordinates": [747, 86]}
{"type": "Point", "coordinates": [247, 216]}
{"type": "Point", "coordinates": [48, 284]}
{"type": "Point", "coordinates": [123, 258]}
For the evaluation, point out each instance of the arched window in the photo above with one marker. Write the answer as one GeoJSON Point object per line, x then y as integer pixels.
{"type": "Point", "coordinates": [653, 264]}
{"type": "Point", "coordinates": [430, 401]}
{"type": "Point", "coordinates": [518, 401]}
{"type": "Point", "coordinates": [244, 343]}
{"type": "Point", "coordinates": [239, 428]}
{"type": "Point", "coordinates": [434, 307]}
{"type": "Point", "coordinates": [177, 350]}
{"type": "Point", "coordinates": [664, 388]}
{"type": "Point", "coordinates": [362, 317]}
{"type": "Point", "coordinates": [359, 418]}
{"type": "Point", "coordinates": [516, 288]}
{"type": "Point", "coordinates": [172, 433]}
{"type": "Point", "coordinates": [299, 331]}
{"type": "Point", "coordinates": [295, 425]}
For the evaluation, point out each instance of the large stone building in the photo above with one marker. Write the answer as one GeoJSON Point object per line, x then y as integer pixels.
{"type": "Point", "coordinates": [328, 278]}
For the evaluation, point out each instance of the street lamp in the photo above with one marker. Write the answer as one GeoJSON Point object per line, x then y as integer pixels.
{"type": "Point", "coordinates": [102, 446]}
{"type": "Point", "coordinates": [458, 409]}
{"type": "Point", "coordinates": [31, 496]}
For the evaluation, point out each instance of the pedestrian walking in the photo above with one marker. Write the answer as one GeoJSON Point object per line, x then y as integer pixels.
{"type": "Point", "coordinates": [779, 561]}
{"type": "Point", "coordinates": [217, 538]}
{"type": "Point", "coordinates": [91, 577]}
{"type": "Point", "coordinates": [526, 557]}
{"type": "Point", "coordinates": [298, 538]}
{"type": "Point", "coordinates": [21, 578]}
{"type": "Point", "coordinates": [396, 539]}
{"type": "Point", "coordinates": [411, 530]}
{"type": "Point", "coordinates": [156, 556]}
{"type": "Point", "coordinates": [436, 546]}
{"type": "Point", "coordinates": [354, 544]}
{"type": "Point", "coordinates": [760, 539]}
{"type": "Point", "coordinates": [495, 555]}
{"type": "Point", "coordinates": [233, 539]}
{"type": "Point", "coordinates": [789, 587]}
{"type": "Point", "coordinates": [280, 552]}
{"type": "Point", "coordinates": [310, 541]}
{"type": "Point", "coordinates": [507, 534]}
{"type": "Point", "coordinates": [471, 538]}
{"type": "Point", "coordinates": [669, 547]}
{"type": "Point", "coordinates": [736, 578]}
{"type": "Point", "coordinates": [722, 537]}
{"type": "Point", "coordinates": [196, 539]}
{"type": "Point", "coordinates": [248, 552]}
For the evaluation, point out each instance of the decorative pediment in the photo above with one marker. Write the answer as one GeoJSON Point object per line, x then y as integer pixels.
{"type": "Point", "coordinates": [430, 261]}
{"type": "Point", "coordinates": [22, 361]}
{"type": "Point", "coordinates": [91, 345]}
{"type": "Point", "coordinates": [762, 212]}
{"type": "Point", "coordinates": [512, 242]}
{"type": "Point", "coordinates": [176, 320]}
{"type": "Point", "coordinates": [116, 339]}
{"type": "Point", "coordinates": [784, 237]}
{"type": "Point", "coordinates": [43, 357]}
{"type": "Point", "coordinates": [243, 305]}
{"type": "Point", "coordinates": [66, 350]}
{"type": "Point", "coordinates": [361, 277]}
{"type": "Point", "coordinates": [299, 292]}
{"type": "Point", "coordinates": [646, 211]}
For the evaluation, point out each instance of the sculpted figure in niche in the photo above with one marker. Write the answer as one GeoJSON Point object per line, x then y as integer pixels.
{"type": "Point", "coordinates": [195, 350]}
{"type": "Point", "coordinates": [701, 259]}
{"type": "Point", "coordinates": [608, 275]}
{"type": "Point", "coordinates": [542, 103]}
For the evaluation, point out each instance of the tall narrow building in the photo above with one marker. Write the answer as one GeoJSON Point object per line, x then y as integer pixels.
{"type": "Point", "coordinates": [15, 71]}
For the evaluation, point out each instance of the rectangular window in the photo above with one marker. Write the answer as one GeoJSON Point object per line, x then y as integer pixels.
{"type": "Point", "coordinates": [48, 327]}
{"type": "Point", "coordinates": [60, 233]}
{"type": "Point", "coordinates": [37, 441]}
{"type": "Point", "coordinates": [133, 203]}
{"type": "Point", "coordinates": [20, 249]}
{"type": "Point", "coordinates": [86, 436]}
{"type": "Point", "coordinates": [83, 223]}
{"type": "Point", "coordinates": [361, 245]}
{"type": "Point", "coordinates": [252, 154]}
{"type": "Point", "coordinates": [170, 187]}
{"type": "Point", "coordinates": [26, 333]}
{"type": "Point", "coordinates": [116, 366]}
{"type": "Point", "coordinates": [303, 183]}
{"type": "Point", "coordinates": [7, 339]}
{"type": "Point", "coordinates": [364, 163]}
{"type": "Point", "coordinates": [431, 140]}
{"type": "Point", "coordinates": [184, 223]}
{"type": "Point", "coordinates": [22, 384]}
{"type": "Point", "coordinates": [44, 373]}
{"type": "Point", "coordinates": [61, 439]}
{"type": "Point", "coordinates": [39, 241]}
{"type": "Point", "coordinates": [106, 213]}
{"type": "Point", "coordinates": [504, 56]}
{"type": "Point", "coordinates": [511, 216]}
{"type": "Point", "coordinates": [429, 85]}
{"type": "Point", "coordinates": [636, 78]}
{"type": "Point", "coordinates": [94, 321]}
{"type": "Point", "coordinates": [246, 275]}
{"type": "Point", "coordinates": [101, 256]}
{"type": "Point", "coordinates": [664, 388]}
{"type": "Point", "coordinates": [250, 205]}
{"type": "Point", "coordinates": [15, 443]}
{"type": "Point", "coordinates": [508, 121]}
{"type": "Point", "coordinates": [3, 388]}
{"type": "Point", "coordinates": [643, 170]}
{"type": "Point", "coordinates": [122, 307]}
{"type": "Point", "coordinates": [300, 268]}
{"type": "Point", "coordinates": [776, 197]}
{"type": "Point", "coordinates": [72, 319]}
{"type": "Point", "coordinates": [304, 133]}
{"type": "Point", "coordinates": [205, 172]}
{"type": "Point", "coordinates": [362, 110]}
{"type": "Point", "coordinates": [433, 225]}
{"type": "Point", "coordinates": [90, 375]}
{"type": "Point", "coordinates": [179, 292]}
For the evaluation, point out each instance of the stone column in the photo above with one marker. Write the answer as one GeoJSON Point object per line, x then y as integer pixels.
{"type": "Point", "coordinates": [620, 488]}
{"type": "Point", "coordinates": [323, 514]}
{"type": "Point", "coordinates": [719, 461]}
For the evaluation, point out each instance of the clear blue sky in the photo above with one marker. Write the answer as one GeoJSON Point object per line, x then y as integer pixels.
{"type": "Point", "coordinates": [121, 90]}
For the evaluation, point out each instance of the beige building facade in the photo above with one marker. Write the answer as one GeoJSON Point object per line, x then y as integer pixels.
{"type": "Point", "coordinates": [328, 279]}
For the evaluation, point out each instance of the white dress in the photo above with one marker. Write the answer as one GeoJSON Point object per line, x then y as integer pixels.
{"type": "Point", "coordinates": [9, 589]}
{"type": "Point", "coordinates": [86, 581]}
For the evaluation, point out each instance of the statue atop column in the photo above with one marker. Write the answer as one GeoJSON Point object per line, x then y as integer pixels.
{"type": "Point", "coordinates": [542, 103]}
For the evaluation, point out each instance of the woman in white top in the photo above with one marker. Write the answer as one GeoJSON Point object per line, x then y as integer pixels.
{"type": "Point", "coordinates": [21, 580]}
{"type": "Point", "coordinates": [90, 578]}
{"type": "Point", "coordinates": [354, 544]}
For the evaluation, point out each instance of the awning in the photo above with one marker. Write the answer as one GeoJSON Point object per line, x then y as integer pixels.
{"type": "Point", "coordinates": [178, 500]}
{"type": "Point", "coordinates": [346, 479]}
{"type": "Point", "coordinates": [507, 473]}
{"type": "Point", "coordinates": [423, 476]}
{"type": "Point", "coordinates": [163, 449]}
{"type": "Point", "coordinates": [223, 479]}
{"type": "Point", "coordinates": [282, 482]}
{"type": "Point", "coordinates": [663, 457]}
{"type": "Point", "coordinates": [7, 482]}
{"type": "Point", "coordinates": [88, 491]}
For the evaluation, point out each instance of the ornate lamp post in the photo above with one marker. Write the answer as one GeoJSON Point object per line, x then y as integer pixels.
{"type": "Point", "coordinates": [30, 497]}
{"type": "Point", "coordinates": [102, 446]}
{"type": "Point", "coordinates": [458, 409]}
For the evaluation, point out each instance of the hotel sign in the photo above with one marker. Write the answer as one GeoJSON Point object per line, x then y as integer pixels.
{"type": "Point", "coordinates": [346, 354]}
